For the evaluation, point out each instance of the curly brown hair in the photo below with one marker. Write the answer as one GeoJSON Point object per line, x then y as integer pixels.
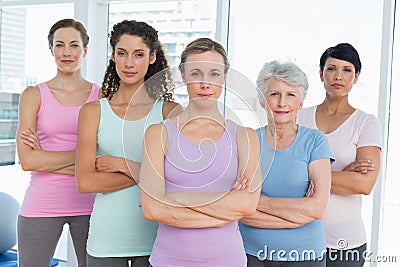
{"type": "Point", "coordinates": [160, 85]}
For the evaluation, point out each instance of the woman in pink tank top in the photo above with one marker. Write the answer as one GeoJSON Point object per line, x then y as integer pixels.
{"type": "Point", "coordinates": [46, 141]}
{"type": "Point", "coordinates": [200, 172]}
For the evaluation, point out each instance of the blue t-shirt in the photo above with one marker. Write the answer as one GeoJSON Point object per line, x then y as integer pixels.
{"type": "Point", "coordinates": [285, 175]}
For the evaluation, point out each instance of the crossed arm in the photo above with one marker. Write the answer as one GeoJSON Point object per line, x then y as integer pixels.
{"type": "Point", "coordinates": [197, 210]}
{"type": "Point", "coordinates": [360, 176]}
{"type": "Point", "coordinates": [107, 173]}
{"type": "Point", "coordinates": [295, 212]}
{"type": "Point", "coordinates": [30, 153]}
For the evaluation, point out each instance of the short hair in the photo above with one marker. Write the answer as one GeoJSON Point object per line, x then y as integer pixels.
{"type": "Point", "coordinates": [201, 45]}
{"type": "Point", "coordinates": [68, 23]}
{"type": "Point", "coordinates": [287, 72]}
{"type": "Point", "coordinates": [342, 51]}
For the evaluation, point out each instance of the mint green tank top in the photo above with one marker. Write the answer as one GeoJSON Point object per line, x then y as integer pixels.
{"type": "Point", "coordinates": [117, 227]}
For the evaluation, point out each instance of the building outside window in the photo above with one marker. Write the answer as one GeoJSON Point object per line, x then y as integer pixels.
{"type": "Point", "coordinates": [177, 23]}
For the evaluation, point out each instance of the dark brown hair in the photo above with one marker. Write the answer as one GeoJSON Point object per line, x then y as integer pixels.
{"type": "Point", "coordinates": [160, 84]}
{"type": "Point", "coordinates": [68, 23]}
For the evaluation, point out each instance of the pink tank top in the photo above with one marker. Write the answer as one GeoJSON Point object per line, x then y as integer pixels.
{"type": "Point", "coordinates": [50, 194]}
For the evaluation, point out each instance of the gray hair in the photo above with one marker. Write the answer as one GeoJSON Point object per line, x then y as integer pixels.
{"type": "Point", "coordinates": [287, 72]}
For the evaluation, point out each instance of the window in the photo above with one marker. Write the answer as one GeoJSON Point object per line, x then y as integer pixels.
{"type": "Point", "coordinates": [272, 31]}
{"type": "Point", "coordinates": [392, 185]}
{"type": "Point", "coordinates": [177, 23]}
{"type": "Point", "coordinates": [25, 60]}
{"type": "Point", "coordinates": [261, 32]}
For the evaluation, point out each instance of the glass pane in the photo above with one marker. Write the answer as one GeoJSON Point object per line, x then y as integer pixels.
{"type": "Point", "coordinates": [270, 30]}
{"type": "Point", "coordinates": [392, 196]}
{"type": "Point", "coordinates": [177, 23]}
{"type": "Point", "coordinates": [25, 60]}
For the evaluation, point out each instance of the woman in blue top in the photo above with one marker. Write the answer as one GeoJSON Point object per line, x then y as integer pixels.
{"type": "Point", "coordinates": [295, 161]}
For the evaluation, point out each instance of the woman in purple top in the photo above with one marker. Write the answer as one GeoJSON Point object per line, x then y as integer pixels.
{"type": "Point", "coordinates": [192, 174]}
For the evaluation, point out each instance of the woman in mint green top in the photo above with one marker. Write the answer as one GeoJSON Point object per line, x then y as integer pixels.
{"type": "Point", "coordinates": [110, 140]}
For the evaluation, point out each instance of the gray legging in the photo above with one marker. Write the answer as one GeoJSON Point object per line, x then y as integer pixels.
{"type": "Point", "coordinates": [253, 261]}
{"type": "Point", "coordinates": [38, 238]}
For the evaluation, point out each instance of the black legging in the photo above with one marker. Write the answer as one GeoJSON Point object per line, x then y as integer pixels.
{"type": "Point", "coordinates": [346, 258]}
{"type": "Point", "coordinates": [139, 261]}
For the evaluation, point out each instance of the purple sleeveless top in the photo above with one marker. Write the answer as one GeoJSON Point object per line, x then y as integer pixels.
{"type": "Point", "coordinates": [204, 168]}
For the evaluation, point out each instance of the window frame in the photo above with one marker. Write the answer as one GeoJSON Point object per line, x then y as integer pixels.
{"type": "Point", "coordinates": [94, 14]}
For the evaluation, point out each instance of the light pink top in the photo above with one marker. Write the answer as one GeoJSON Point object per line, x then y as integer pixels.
{"type": "Point", "coordinates": [343, 223]}
{"type": "Point", "coordinates": [50, 194]}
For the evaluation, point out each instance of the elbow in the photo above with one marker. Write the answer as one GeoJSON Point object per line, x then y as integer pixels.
{"type": "Point", "coordinates": [318, 215]}
{"type": "Point", "coordinates": [27, 165]}
{"type": "Point", "coordinates": [82, 189]}
{"type": "Point", "coordinates": [318, 212]}
{"type": "Point", "coordinates": [249, 209]}
{"type": "Point", "coordinates": [82, 185]}
{"type": "Point", "coordinates": [148, 213]}
{"type": "Point", "coordinates": [367, 189]}
{"type": "Point", "coordinates": [153, 210]}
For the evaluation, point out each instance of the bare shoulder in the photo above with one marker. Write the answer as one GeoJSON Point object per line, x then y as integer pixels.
{"type": "Point", "coordinates": [30, 97]}
{"type": "Point", "coordinates": [31, 92]}
{"type": "Point", "coordinates": [90, 112]}
{"type": "Point", "coordinates": [171, 109]}
{"type": "Point", "coordinates": [155, 129]}
{"type": "Point", "coordinates": [93, 106]}
{"type": "Point", "coordinates": [248, 133]}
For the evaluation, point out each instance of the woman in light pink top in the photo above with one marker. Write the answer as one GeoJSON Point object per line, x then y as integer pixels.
{"type": "Point", "coordinates": [46, 140]}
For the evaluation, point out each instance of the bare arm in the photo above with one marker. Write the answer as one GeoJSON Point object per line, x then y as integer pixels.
{"type": "Point", "coordinates": [155, 203]}
{"type": "Point", "coordinates": [306, 209]}
{"type": "Point", "coordinates": [87, 177]}
{"type": "Point", "coordinates": [355, 182]}
{"type": "Point", "coordinates": [237, 203]}
{"type": "Point", "coordinates": [117, 164]}
{"type": "Point", "coordinates": [37, 159]}
{"type": "Point", "coordinates": [264, 220]}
